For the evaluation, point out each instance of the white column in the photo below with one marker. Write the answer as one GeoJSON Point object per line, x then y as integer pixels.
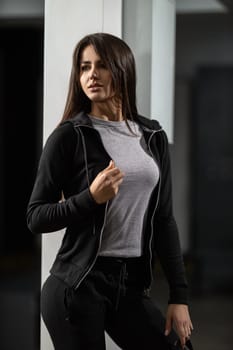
{"type": "Point", "coordinates": [163, 63]}
{"type": "Point", "coordinates": [149, 29]}
{"type": "Point", "coordinates": [137, 32]}
{"type": "Point", "coordinates": [65, 23]}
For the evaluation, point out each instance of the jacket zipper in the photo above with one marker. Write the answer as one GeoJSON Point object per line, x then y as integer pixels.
{"type": "Point", "coordinates": [100, 239]}
{"type": "Point", "coordinates": [156, 205]}
{"type": "Point", "coordinates": [86, 167]}
{"type": "Point", "coordinates": [105, 212]}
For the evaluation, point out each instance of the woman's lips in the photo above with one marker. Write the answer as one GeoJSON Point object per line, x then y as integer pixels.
{"type": "Point", "coordinates": [95, 87]}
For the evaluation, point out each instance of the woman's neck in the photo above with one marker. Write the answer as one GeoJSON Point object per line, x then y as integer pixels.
{"type": "Point", "coordinates": [106, 112]}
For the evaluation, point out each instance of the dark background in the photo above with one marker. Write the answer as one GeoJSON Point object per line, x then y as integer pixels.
{"type": "Point", "coordinates": [21, 93]}
{"type": "Point", "coordinates": [212, 167]}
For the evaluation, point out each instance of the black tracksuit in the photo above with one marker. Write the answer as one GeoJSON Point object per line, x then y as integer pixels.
{"type": "Point", "coordinates": [72, 157]}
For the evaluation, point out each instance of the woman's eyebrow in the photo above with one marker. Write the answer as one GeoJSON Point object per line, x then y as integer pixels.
{"type": "Point", "coordinates": [89, 62]}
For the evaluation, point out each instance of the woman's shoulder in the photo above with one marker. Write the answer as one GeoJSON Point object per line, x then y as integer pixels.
{"type": "Point", "coordinates": [64, 130]}
{"type": "Point", "coordinates": [152, 124]}
{"type": "Point", "coordinates": [63, 137]}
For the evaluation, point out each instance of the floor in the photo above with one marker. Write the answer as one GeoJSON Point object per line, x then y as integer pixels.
{"type": "Point", "coordinates": [211, 314]}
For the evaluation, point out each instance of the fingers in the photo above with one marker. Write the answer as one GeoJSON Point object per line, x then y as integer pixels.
{"type": "Point", "coordinates": [106, 184]}
{"type": "Point", "coordinates": [179, 315]}
{"type": "Point", "coordinates": [113, 180]}
{"type": "Point", "coordinates": [112, 174]}
{"type": "Point", "coordinates": [184, 331]}
{"type": "Point", "coordinates": [110, 166]}
{"type": "Point", "coordinates": [168, 325]}
{"type": "Point", "coordinates": [189, 329]}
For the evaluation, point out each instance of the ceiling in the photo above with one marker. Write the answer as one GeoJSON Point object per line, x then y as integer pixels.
{"type": "Point", "coordinates": [228, 4]}
{"type": "Point", "coordinates": [204, 6]}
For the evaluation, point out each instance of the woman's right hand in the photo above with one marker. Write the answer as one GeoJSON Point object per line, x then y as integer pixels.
{"type": "Point", "coordinates": [106, 184]}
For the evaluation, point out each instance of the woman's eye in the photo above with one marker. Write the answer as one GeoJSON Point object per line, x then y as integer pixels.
{"type": "Point", "coordinates": [84, 68]}
{"type": "Point", "coordinates": [102, 65]}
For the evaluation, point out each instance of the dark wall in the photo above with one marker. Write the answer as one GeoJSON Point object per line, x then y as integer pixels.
{"type": "Point", "coordinates": [204, 61]}
{"type": "Point", "coordinates": [21, 91]}
{"type": "Point", "coordinates": [21, 121]}
{"type": "Point", "coordinates": [212, 155]}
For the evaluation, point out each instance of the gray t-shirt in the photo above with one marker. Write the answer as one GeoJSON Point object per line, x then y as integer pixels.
{"type": "Point", "coordinates": [122, 235]}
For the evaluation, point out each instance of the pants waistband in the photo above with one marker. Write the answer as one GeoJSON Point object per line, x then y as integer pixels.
{"type": "Point", "coordinates": [114, 263]}
{"type": "Point", "coordinates": [128, 272]}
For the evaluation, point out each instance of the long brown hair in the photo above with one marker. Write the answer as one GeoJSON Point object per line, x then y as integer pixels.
{"type": "Point", "coordinates": [119, 59]}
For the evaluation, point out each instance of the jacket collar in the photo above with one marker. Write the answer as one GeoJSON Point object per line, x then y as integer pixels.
{"type": "Point", "coordinates": [81, 119]}
{"type": "Point", "coordinates": [147, 124]}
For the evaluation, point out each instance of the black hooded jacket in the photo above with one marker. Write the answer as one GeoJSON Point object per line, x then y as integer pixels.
{"type": "Point", "coordinates": [72, 157]}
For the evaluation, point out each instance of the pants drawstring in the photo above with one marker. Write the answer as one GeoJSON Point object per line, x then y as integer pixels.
{"type": "Point", "coordinates": [123, 275]}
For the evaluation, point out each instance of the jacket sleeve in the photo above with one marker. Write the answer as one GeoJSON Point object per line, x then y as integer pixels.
{"type": "Point", "coordinates": [167, 242]}
{"type": "Point", "coordinates": [46, 212]}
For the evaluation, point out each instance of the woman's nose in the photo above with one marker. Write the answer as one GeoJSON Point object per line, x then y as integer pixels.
{"type": "Point", "coordinates": [93, 73]}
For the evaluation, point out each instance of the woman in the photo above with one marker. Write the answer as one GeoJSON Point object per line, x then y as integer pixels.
{"type": "Point", "coordinates": [104, 175]}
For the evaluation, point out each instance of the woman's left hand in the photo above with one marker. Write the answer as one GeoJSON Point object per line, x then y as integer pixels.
{"type": "Point", "coordinates": [178, 316]}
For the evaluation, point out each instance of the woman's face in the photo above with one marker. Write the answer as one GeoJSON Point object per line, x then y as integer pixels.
{"type": "Point", "coordinates": [95, 78]}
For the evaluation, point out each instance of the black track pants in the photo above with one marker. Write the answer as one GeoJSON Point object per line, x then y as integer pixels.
{"type": "Point", "coordinates": [109, 299]}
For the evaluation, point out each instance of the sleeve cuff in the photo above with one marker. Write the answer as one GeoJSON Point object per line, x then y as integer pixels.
{"type": "Point", "coordinates": [85, 201]}
{"type": "Point", "coordinates": [178, 296]}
